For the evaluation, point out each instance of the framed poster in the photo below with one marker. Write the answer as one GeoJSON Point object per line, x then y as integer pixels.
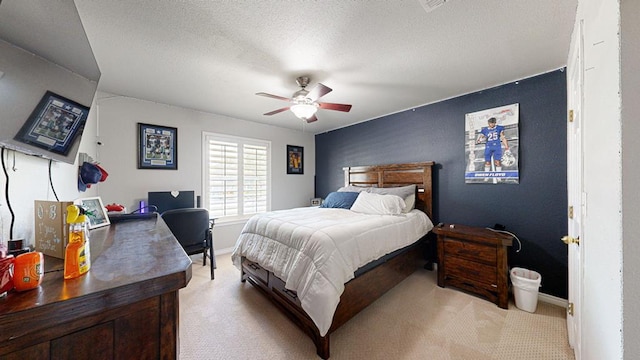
{"type": "Point", "coordinates": [95, 211]}
{"type": "Point", "coordinates": [491, 146]}
{"type": "Point", "coordinates": [295, 158]}
{"type": "Point", "coordinates": [157, 147]}
{"type": "Point", "coordinates": [54, 124]}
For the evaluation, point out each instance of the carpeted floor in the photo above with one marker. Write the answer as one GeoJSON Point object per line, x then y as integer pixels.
{"type": "Point", "coordinates": [227, 319]}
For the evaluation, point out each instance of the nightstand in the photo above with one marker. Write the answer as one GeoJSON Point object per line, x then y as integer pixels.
{"type": "Point", "coordinates": [474, 259]}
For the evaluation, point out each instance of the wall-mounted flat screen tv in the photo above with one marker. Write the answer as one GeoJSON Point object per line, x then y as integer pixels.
{"type": "Point", "coordinates": [49, 78]}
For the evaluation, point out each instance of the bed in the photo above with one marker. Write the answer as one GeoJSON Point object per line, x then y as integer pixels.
{"type": "Point", "coordinates": [374, 272]}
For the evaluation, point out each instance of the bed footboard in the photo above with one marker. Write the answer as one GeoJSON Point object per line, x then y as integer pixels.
{"type": "Point", "coordinates": [358, 293]}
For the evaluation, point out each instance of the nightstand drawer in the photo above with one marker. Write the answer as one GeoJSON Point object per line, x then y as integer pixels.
{"type": "Point", "coordinates": [473, 271]}
{"type": "Point", "coordinates": [470, 250]}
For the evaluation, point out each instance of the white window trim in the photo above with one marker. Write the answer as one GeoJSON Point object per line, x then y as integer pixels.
{"type": "Point", "coordinates": [205, 171]}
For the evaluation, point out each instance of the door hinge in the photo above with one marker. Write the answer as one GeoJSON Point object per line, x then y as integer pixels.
{"type": "Point", "coordinates": [570, 212]}
{"type": "Point", "coordinates": [570, 309]}
{"type": "Point", "coordinates": [570, 115]}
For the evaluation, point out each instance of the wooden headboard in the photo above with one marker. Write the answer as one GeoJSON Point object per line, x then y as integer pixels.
{"type": "Point", "coordinates": [394, 175]}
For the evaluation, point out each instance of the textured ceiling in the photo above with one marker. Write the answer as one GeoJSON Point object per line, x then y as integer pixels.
{"type": "Point", "coordinates": [381, 56]}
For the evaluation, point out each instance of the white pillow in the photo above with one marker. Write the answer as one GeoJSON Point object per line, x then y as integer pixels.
{"type": "Point", "coordinates": [377, 204]}
{"type": "Point", "coordinates": [410, 203]}
{"type": "Point", "coordinates": [408, 193]}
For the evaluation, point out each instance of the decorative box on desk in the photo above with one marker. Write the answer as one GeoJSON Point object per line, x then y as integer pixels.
{"type": "Point", "coordinates": [474, 259]}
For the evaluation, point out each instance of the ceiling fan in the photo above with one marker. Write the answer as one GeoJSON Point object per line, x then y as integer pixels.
{"type": "Point", "coordinates": [304, 102]}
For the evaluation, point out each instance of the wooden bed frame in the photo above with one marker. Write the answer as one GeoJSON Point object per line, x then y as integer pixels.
{"type": "Point", "coordinates": [370, 285]}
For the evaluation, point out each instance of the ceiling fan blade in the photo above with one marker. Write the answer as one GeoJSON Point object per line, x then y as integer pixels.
{"type": "Point", "coordinates": [273, 96]}
{"type": "Point", "coordinates": [318, 91]}
{"type": "Point", "coordinates": [332, 106]}
{"type": "Point", "coordinates": [277, 111]}
{"type": "Point", "coordinates": [312, 119]}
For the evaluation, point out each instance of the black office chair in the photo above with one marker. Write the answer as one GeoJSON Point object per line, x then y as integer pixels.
{"type": "Point", "coordinates": [193, 229]}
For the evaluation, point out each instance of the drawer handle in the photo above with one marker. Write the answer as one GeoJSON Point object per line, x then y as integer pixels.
{"type": "Point", "coordinates": [291, 294]}
{"type": "Point", "coordinates": [254, 266]}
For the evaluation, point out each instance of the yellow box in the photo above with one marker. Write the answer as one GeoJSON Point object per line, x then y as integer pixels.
{"type": "Point", "coordinates": [51, 231]}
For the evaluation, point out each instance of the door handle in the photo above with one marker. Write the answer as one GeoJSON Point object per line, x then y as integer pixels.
{"type": "Point", "coordinates": [570, 240]}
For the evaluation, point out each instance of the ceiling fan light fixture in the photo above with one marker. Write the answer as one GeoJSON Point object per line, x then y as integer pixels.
{"type": "Point", "coordinates": [304, 111]}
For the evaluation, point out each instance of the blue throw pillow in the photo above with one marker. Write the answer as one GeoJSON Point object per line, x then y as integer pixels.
{"type": "Point", "coordinates": [342, 200]}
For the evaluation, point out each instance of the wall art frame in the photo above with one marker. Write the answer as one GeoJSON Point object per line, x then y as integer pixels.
{"type": "Point", "coordinates": [295, 159]}
{"type": "Point", "coordinates": [54, 124]}
{"type": "Point", "coordinates": [157, 147]}
{"type": "Point", "coordinates": [492, 143]}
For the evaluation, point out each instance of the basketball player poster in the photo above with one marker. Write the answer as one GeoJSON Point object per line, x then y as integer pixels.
{"type": "Point", "coordinates": [491, 146]}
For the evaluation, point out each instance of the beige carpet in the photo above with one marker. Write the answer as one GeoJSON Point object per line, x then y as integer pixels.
{"type": "Point", "coordinates": [227, 319]}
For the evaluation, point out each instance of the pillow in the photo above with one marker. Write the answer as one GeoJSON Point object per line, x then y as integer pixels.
{"type": "Point", "coordinates": [341, 200]}
{"type": "Point", "coordinates": [410, 203]}
{"type": "Point", "coordinates": [352, 188]}
{"type": "Point", "coordinates": [407, 193]}
{"type": "Point", "coordinates": [378, 204]}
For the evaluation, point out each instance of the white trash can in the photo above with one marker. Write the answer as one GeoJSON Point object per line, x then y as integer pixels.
{"type": "Point", "coordinates": [525, 288]}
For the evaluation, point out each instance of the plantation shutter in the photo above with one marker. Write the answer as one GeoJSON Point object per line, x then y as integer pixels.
{"type": "Point", "coordinates": [237, 176]}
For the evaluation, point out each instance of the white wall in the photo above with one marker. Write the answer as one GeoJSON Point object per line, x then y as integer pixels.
{"type": "Point", "coordinates": [117, 131]}
{"type": "Point", "coordinates": [630, 83]}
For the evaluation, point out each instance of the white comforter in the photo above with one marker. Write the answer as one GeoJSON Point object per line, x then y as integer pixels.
{"type": "Point", "coordinates": [317, 250]}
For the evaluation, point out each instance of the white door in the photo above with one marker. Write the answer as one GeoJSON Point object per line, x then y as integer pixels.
{"type": "Point", "coordinates": [575, 188]}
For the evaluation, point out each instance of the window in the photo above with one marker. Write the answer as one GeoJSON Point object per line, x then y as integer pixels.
{"type": "Point", "coordinates": [236, 175]}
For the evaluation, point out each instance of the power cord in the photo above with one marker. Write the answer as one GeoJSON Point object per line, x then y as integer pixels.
{"type": "Point", "coordinates": [510, 233]}
{"type": "Point", "coordinates": [6, 194]}
{"type": "Point", "coordinates": [51, 181]}
{"type": "Point", "coordinates": [149, 207]}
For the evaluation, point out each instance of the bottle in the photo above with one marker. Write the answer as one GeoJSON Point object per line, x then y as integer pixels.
{"type": "Point", "coordinates": [77, 258]}
{"type": "Point", "coordinates": [28, 271]}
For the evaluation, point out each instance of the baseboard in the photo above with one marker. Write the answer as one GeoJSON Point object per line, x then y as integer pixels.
{"type": "Point", "coordinates": [554, 300]}
{"type": "Point", "coordinates": [224, 251]}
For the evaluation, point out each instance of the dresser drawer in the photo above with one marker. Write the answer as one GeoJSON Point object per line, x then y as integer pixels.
{"type": "Point", "coordinates": [256, 271]}
{"type": "Point", "coordinates": [469, 250]}
{"type": "Point", "coordinates": [473, 271]}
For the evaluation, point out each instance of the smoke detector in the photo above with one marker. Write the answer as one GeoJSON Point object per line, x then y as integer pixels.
{"type": "Point", "coordinates": [430, 5]}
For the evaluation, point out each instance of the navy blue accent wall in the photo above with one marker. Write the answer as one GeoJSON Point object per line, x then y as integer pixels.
{"type": "Point", "coordinates": [535, 209]}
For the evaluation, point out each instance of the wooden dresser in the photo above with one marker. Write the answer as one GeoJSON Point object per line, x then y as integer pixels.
{"type": "Point", "coordinates": [125, 307]}
{"type": "Point", "coordinates": [474, 259]}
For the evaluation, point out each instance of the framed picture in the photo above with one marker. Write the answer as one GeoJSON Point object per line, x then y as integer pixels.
{"type": "Point", "coordinates": [492, 143]}
{"type": "Point", "coordinates": [295, 158]}
{"type": "Point", "coordinates": [95, 211]}
{"type": "Point", "coordinates": [157, 147]}
{"type": "Point", "coordinates": [54, 124]}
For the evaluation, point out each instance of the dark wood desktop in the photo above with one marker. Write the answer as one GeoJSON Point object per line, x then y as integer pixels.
{"type": "Point", "coordinates": [125, 307]}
